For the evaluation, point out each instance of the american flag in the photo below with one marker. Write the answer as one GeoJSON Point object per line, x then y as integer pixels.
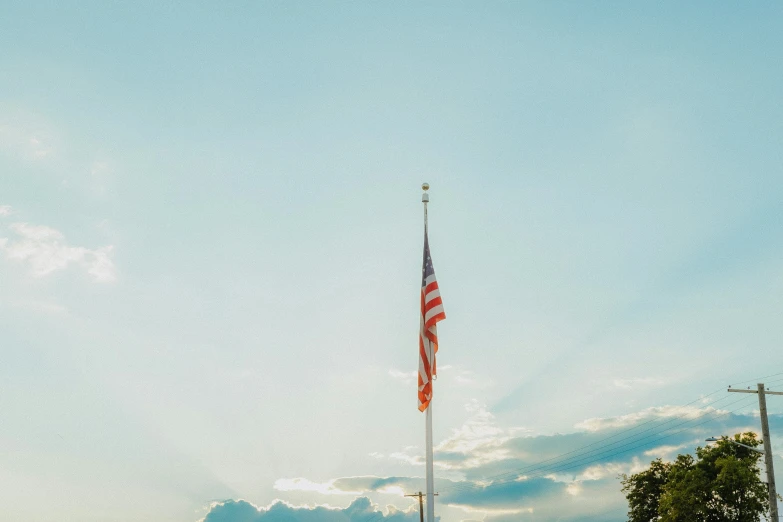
{"type": "Point", "coordinates": [431, 313]}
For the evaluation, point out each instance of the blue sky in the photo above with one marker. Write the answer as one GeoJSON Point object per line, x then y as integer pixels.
{"type": "Point", "coordinates": [210, 237]}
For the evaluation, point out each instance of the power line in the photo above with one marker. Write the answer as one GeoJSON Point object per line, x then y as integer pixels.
{"type": "Point", "coordinates": [581, 458]}
{"type": "Point", "coordinates": [580, 449]}
{"type": "Point", "coordinates": [546, 470]}
{"type": "Point", "coordinates": [586, 460]}
{"type": "Point", "coordinates": [716, 416]}
{"type": "Point", "coordinates": [533, 467]}
{"type": "Point", "coordinates": [758, 379]}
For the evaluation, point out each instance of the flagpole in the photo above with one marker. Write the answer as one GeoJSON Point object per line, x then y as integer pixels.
{"type": "Point", "coordinates": [430, 471]}
{"type": "Point", "coordinates": [425, 198]}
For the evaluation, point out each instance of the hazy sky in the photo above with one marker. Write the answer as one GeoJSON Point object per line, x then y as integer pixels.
{"type": "Point", "coordinates": [210, 248]}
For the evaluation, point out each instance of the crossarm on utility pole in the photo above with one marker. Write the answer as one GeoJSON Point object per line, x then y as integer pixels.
{"type": "Point", "coordinates": [766, 392]}
{"type": "Point", "coordinates": [420, 496]}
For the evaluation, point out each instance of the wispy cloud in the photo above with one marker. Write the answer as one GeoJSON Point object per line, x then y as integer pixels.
{"type": "Point", "coordinates": [404, 377]}
{"type": "Point", "coordinates": [666, 452]}
{"type": "Point", "coordinates": [44, 250]}
{"type": "Point", "coordinates": [462, 377]}
{"type": "Point", "coordinates": [303, 484]}
{"type": "Point", "coordinates": [29, 139]}
{"type": "Point", "coordinates": [47, 145]}
{"type": "Point", "coordinates": [502, 474]}
{"type": "Point", "coordinates": [661, 412]}
{"type": "Point", "coordinates": [469, 379]}
{"type": "Point", "coordinates": [6, 210]}
{"type": "Point", "coordinates": [478, 441]}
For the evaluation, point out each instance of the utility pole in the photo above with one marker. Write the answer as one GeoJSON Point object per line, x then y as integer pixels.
{"type": "Point", "coordinates": [773, 494]}
{"type": "Point", "coordinates": [420, 496]}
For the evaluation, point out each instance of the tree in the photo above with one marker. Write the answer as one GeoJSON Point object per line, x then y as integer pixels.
{"type": "Point", "coordinates": [721, 484]}
{"type": "Point", "coordinates": [643, 491]}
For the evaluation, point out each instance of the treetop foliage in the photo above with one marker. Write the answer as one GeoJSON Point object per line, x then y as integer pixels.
{"type": "Point", "coordinates": [722, 483]}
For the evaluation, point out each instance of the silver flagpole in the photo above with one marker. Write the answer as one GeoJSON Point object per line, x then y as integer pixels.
{"type": "Point", "coordinates": [425, 198]}
{"type": "Point", "coordinates": [430, 473]}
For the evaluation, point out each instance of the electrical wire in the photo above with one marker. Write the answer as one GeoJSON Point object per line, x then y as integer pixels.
{"type": "Point", "coordinates": [536, 466]}
{"type": "Point", "coordinates": [586, 461]}
{"type": "Point", "coordinates": [580, 449]}
{"type": "Point", "coordinates": [759, 379]}
{"type": "Point", "coordinates": [581, 458]}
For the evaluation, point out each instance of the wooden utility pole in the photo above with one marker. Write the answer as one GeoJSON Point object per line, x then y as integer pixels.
{"type": "Point", "coordinates": [420, 496]}
{"type": "Point", "coordinates": [773, 494]}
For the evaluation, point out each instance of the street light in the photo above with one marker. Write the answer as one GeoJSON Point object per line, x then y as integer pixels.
{"type": "Point", "coordinates": [713, 439]}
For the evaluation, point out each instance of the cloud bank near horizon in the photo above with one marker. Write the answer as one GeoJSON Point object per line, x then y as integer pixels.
{"type": "Point", "coordinates": [360, 510]}
{"type": "Point", "coordinates": [504, 475]}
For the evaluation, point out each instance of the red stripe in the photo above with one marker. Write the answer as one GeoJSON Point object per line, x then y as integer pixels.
{"type": "Point", "coordinates": [432, 304]}
{"type": "Point", "coordinates": [425, 360]}
{"type": "Point", "coordinates": [430, 287]}
{"type": "Point", "coordinates": [434, 319]}
{"type": "Point", "coordinates": [428, 335]}
{"type": "Point", "coordinates": [423, 402]}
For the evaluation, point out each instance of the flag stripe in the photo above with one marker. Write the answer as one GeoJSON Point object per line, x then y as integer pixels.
{"type": "Point", "coordinates": [433, 304]}
{"type": "Point", "coordinates": [431, 313]}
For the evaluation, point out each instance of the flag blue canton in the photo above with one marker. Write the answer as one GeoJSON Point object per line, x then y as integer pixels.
{"type": "Point", "coordinates": [427, 268]}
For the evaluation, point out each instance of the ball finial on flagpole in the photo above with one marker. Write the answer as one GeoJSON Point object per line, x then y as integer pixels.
{"type": "Point", "coordinates": [425, 197]}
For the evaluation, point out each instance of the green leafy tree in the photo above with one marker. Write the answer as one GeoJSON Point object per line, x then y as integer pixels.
{"type": "Point", "coordinates": [721, 484]}
{"type": "Point", "coordinates": [644, 490]}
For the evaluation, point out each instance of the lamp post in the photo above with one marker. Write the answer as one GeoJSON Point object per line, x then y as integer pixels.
{"type": "Point", "coordinates": [772, 507]}
{"type": "Point", "coordinates": [713, 439]}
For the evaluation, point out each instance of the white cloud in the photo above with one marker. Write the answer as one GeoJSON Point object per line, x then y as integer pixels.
{"type": "Point", "coordinates": [6, 210]}
{"type": "Point", "coordinates": [478, 433]}
{"type": "Point", "coordinates": [470, 379]}
{"type": "Point", "coordinates": [685, 412]}
{"type": "Point", "coordinates": [602, 471]}
{"type": "Point", "coordinates": [404, 377]}
{"type": "Point", "coordinates": [479, 440]}
{"type": "Point", "coordinates": [101, 267]}
{"type": "Point", "coordinates": [392, 490]}
{"type": "Point", "coordinates": [413, 460]}
{"type": "Point", "coordinates": [303, 484]}
{"type": "Point", "coordinates": [665, 452]}
{"type": "Point", "coordinates": [491, 512]}
{"type": "Point", "coordinates": [496, 472]}
{"type": "Point", "coordinates": [574, 489]}
{"type": "Point", "coordinates": [44, 250]}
